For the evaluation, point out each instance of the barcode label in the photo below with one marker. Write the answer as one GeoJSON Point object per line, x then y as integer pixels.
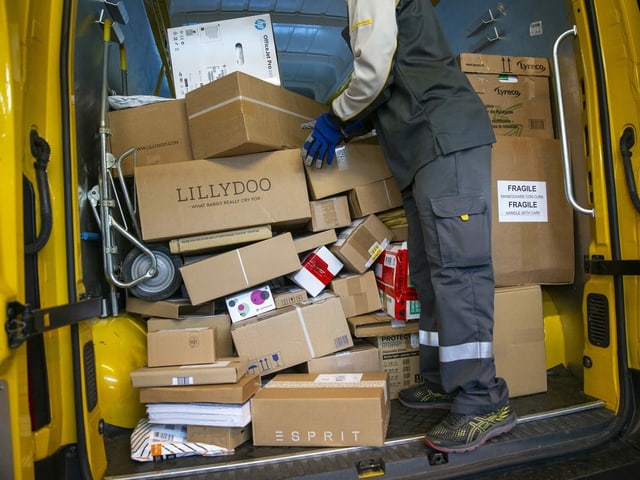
{"type": "Point", "coordinates": [341, 341]}
{"type": "Point", "coordinates": [182, 381]}
{"type": "Point", "coordinates": [536, 124]}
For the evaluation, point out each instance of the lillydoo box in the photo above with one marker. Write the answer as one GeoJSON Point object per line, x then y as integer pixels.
{"type": "Point", "coordinates": [532, 223]}
{"type": "Point", "coordinates": [154, 142]}
{"type": "Point", "coordinates": [225, 437]}
{"type": "Point", "coordinates": [358, 293]}
{"type": "Point", "coordinates": [361, 244]}
{"type": "Point", "coordinates": [240, 114]}
{"type": "Point", "coordinates": [399, 296]}
{"type": "Point", "coordinates": [355, 164]}
{"type": "Point", "coordinates": [204, 52]}
{"type": "Point", "coordinates": [329, 410]}
{"type": "Point", "coordinates": [400, 358]}
{"type": "Point", "coordinates": [329, 213]}
{"type": "Point", "coordinates": [249, 303]}
{"type": "Point", "coordinates": [292, 335]}
{"type": "Point", "coordinates": [374, 197]}
{"type": "Point", "coordinates": [184, 346]}
{"type": "Point", "coordinates": [318, 269]}
{"type": "Point", "coordinates": [517, 337]}
{"type": "Point", "coordinates": [175, 309]}
{"type": "Point", "coordinates": [221, 323]}
{"type": "Point", "coordinates": [204, 196]}
{"type": "Point", "coordinates": [224, 370]}
{"type": "Point", "coordinates": [362, 357]}
{"type": "Point", "coordinates": [239, 269]}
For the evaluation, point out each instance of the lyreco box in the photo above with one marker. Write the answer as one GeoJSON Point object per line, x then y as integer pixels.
{"type": "Point", "coordinates": [362, 357]}
{"type": "Point", "coordinates": [292, 335]}
{"type": "Point", "coordinates": [250, 303]}
{"type": "Point", "coordinates": [224, 370]}
{"type": "Point", "coordinates": [532, 223]}
{"type": "Point", "coordinates": [359, 246]}
{"type": "Point", "coordinates": [184, 346]}
{"type": "Point", "coordinates": [374, 197]}
{"type": "Point", "coordinates": [355, 164]}
{"type": "Point", "coordinates": [329, 213]}
{"type": "Point", "coordinates": [239, 269]}
{"type": "Point", "coordinates": [154, 142]}
{"type": "Point", "coordinates": [398, 295]}
{"type": "Point", "coordinates": [504, 64]}
{"type": "Point", "coordinates": [318, 269]}
{"type": "Point", "coordinates": [330, 410]}
{"type": "Point", "coordinates": [400, 358]}
{"type": "Point", "coordinates": [202, 196]}
{"type": "Point", "coordinates": [240, 114]}
{"type": "Point", "coordinates": [203, 52]}
{"type": "Point", "coordinates": [358, 293]}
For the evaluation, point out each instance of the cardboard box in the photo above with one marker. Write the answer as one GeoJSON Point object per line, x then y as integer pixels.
{"type": "Point", "coordinates": [155, 142]}
{"type": "Point", "coordinates": [359, 246]}
{"type": "Point", "coordinates": [239, 114]}
{"type": "Point", "coordinates": [355, 164]}
{"type": "Point", "coordinates": [532, 231]}
{"type": "Point", "coordinates": [221, 323]}
{"type": "Point", "coordinates": [400, 358]}
{"type": "Point", "coordinates": [240, 269]}
{"type": "Point", "coordinates": [184, 346]}
{"type": "Point", "coordinates": [398, 295]}
{"type": "Point", "coordinates": [224, 370]}
{"type": "Point", "coordinates": [204, 52]}
{"type": "Point", "coordinates": [329, 213]}
{"type": "Point", "coordinates": [500, 64]}
{"type": "Point", "coordinates": [204, 196]}
{"type": "Point", "coordinates": [175, 309]}
{"type": "Point", "coordinates": [225, 437]}
{"type": "Point", "coordinates": [362, 357]}
{"type": "Point", "coordinates": [304, 243]}
{"type": "Point", "coordinates": [286, 295]}
{"type": "Point", "coordinates": [209, 241]}
{"type": "Point", "coordinates": [238, 392]}
{"type": "Point", "coordinates": [353, 412]}
{"type": "Point", "coordinates": [358, 293]}
{"type": "Point", "coordinates": [518, 337]}
{"type": "Point", "coordinates": [379, 324]}
{"type": "Point", "coordinates": [292, 335]}
{"type": "Point", "coordinates": [374, 197]}
{"type": "Point", "coordinates": [318, 269]}
{"type": "Point", "coordinates": [250, 303]}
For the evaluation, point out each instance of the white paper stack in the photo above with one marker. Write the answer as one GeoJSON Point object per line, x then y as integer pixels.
{"type": "Point", "coordinates": [212, 414]}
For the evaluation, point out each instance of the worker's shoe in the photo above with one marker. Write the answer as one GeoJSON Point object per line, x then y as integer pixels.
{"type": "Point", "coordinates": [458, 433]}
{"type": "Point", "coordinates": [425, 396]}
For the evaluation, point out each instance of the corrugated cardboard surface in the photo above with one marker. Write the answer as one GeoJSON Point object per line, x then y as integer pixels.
{"type": "Point", "coordinates": [329, 213]}
{"type": "Point", "coordinates": [239, 114]}
{"type": "Point", "coordinates": [504, 64]}
{"type": "Point", "coordinates": [374, 197]}
{"type": "Point", "coordinates": [360, 245]}
{"type": "Point", "coordinates": [183, 346]}
{"type": "Point", "coordinates": [225, 370]}
{"type": "Point", "coordinates": [362, 357]}
{"type": "Point", "coordinates": [358, 293]}
{"type": "Point", "coordinates": [225, 437]}
{"type": "Point", "coordinates": [400, 358]}
{"type": "Point", "coordinates": [203, 196]}
{"type": "Point", "coordinates": [168, 308]}
{"type": "Point", "coordinates": [378, 324]}
{"type": "Point", "coordinates": [351, 414]}
{"type": "Point", "coordinates": [304, 243]}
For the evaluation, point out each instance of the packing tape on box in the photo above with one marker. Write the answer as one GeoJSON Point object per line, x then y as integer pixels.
{"type": "Point", "coordinates": [248, 99]}
{"type": "Point", "coordinates": [305, 331]}
{"type": "Point", "coordinates": [244, 273]}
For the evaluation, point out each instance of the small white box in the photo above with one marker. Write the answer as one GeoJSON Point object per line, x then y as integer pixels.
{"type": "Point", "coordinates": [249, 303]}
{"type": "Point", "coordinates": [318, 269]}
{"type": "Point", "coordinates": [204, 52]}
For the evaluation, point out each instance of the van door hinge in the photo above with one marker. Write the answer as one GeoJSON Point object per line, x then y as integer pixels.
{"type": "Point", "coordinates": [24, 322]}
{"type": "Point", "coordinates": [597, 265]}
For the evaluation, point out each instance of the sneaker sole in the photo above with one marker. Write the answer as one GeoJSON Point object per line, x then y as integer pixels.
{"type": "Point", "coordinates": [497, 431]}
{"type": "Point", "coordinates": [426, 405]}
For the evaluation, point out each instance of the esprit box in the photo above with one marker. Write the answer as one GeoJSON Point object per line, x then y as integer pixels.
{"type": "Point", "coordinates": [203, 52]}
{"type": "Point", "coordinates": [184, 346]}
{"type": "Point", "coordinates": [374, 197]}
{"type": "Point", "coordinates": [240, 114]}
{"type": "Point", "coordinates": [358, 293]}
{"type": "Point", "coordinates": [175, 309]}
{"type": "Point", "coordinates": [532, 223]}
{"type": "Point", "coordinates": [225, 437]}
{"type": "Point", "coordinates": [359, 246]}
{"type": "Point", "coordinates": [362, 357]}
{"type": "Point", "coordinates": [400, 358]}
{"type": "Point", "coordinates": [292, 335]}
{"type": "Point", "coordinates": [329, 213]}
{"type": "Point", "coordinates": [318, 269]}
{"type": "Point", "coordinates": [224, 370]}
{"type": "Point", "coordinates": [155, 142]}
{"type": "Point", "coordinates": [378, 324]}
{"type": "Point", "coordinates": [221, 323]}
{"type": "Point", "coordinates": [250, 303]}
{"type": "Point", "coordinates": [398, 295]}
{"type": "Point", "coordinates": [204, 196]}
{"type": "Point", "coordinates": [355, 164]}
{"type": "Point", "coordinates": [239, 269]}
{"type": "Point", "coordinates": [347, 410]}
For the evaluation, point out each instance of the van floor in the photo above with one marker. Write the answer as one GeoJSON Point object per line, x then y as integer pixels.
{"type": "Point", "coordinates": [564, 393]}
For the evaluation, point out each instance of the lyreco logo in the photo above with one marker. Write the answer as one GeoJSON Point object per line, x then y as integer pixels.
{"type": "Point", "coordinates": [531, 67]}
{"type": "Point", "coordinates": [508, 92]}
{"type": "Point", "coordinates": [260, 24]}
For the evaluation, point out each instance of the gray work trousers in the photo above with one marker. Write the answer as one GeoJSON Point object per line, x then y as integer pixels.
{"type": "Point", "coordinates": [448, 208]}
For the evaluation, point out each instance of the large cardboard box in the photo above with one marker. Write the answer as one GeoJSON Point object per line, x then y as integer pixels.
{"type": "Point", "coordinates": [204, 52]}
{"type": "Point", "coordinates": [225, 437]}
{"type": "Point", "coordinates": [504, 64]}
{"type": "Point", "coordinates": [328, 213]}
{"type": "Point", "coordinates": [400, 358]}
{"type": "Point", "coordinates": [155, 142]}
{"type": "Point", "coordinates": [379, 324]}
{"type": "Point", "coordinates": [355, 164]}
{"type": "Point", "coordinates": [239, 269]}
{"type": "Point", "coordinates": [210, 241]}
{"type": "Point", "coordinates": [174, 309]}
{"type": "Point", "coordinates": [292, 335]}
{"type": "Point", "coordinates": [362, 357]}
{"type": "Point", "coordinates": [240, 114]}
{"type": "Point", "coordinates": [358, 293]}
{"type": "Point", "coordinates": [220, 322]}
{"type": "Point", "coordinates": [306, 242]}
{"type": "Point", "coordinates": [347, 410]}
{"type": "Point", "coordinates": [224, 370]}
{"type": "Point", "coordinates": [183, 346]}
{"type": "Point", "coordinates": [374, 197]}
{"type": "Point", "coordinates": [532, 223]}
{"type": "Point", "coordinates": [361, 244]}
{"type": "Point", "coordinates": [203, 196]}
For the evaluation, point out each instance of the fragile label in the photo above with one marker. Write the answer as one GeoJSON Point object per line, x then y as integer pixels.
{"type": "Point", "coordinates": [522, 201]}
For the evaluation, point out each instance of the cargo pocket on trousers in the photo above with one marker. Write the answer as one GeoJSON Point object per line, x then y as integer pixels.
{"type": "Point", "coordinates": [464, 230]}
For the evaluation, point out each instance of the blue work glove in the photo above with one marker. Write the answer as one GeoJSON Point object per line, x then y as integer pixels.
{"type": "Point", "coordinates": [321, 144]}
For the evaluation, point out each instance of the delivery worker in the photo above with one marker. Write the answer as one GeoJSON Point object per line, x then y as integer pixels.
{"type": "Point", "coordinates": [436, 137]}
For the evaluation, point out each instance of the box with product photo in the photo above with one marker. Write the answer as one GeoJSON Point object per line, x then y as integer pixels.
{"type": "Point", "coordinates": [201, 53]}
{"type": "Point", "coordinates": [311, 241]}
{"type": "Point", "coordinates": [224, 370]}
{"type": "Point", "coordinates": [239, 269]}
{"type": "Point", "coordinates": [249, 303]}
{"type": "Point", "coordinates": [374, 197]}
{"type": "Point", "coordinates": [328, 213]}
{"type": "Point", "coordinates": [240, 114]}
{"type": "Point", "coordinates": [292, 335]}
{"type": "Point", "coordinates": [362, 357]}
{"type": "Point", "coordinates": [154, 142]}
{"type": "Point", "coordinates": [359, 246]}
{"type": "Point", "coordinates": [318, 269]}
{"type": "Point", "coordinates": [358, 293]}
{"type": "Point", "coordinates": [378, 324]}
{"type": "Point", "coordinates": [183, 346]}
{"type": "Point", "coordinates": [398, 295]}
{"type": "Point", "coordinates": [400, 358]}
{"type": "Point", "coordinates": [348, 410]}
